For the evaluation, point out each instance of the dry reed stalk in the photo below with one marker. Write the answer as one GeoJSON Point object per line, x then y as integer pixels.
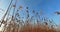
{"type": "Point", "coordinates": [37, 29]}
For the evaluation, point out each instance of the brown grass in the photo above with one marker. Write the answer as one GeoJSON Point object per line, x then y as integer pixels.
{"type": "Point", "coordinates": [30, 28]}
{"type": "Point", "coordinates": [37, 29]}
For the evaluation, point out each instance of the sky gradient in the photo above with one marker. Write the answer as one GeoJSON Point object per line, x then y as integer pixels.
{"type": "Point", "coordinates": [48, 7]}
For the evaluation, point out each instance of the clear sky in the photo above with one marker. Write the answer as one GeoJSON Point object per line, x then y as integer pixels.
{"type": "Point", "coordinates": [47, 6]}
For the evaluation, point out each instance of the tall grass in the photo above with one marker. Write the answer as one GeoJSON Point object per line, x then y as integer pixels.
{"type": "Point", "coordinates": [31, 24]}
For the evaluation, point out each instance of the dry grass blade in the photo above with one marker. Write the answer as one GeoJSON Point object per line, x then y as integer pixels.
{"type": "Point", "coordinates": [33, 11]}
{"type": "Point", "coordinates": [57, 13]}
{"type": "Point", "coordinates": [14, 6]}
{"type": "Point", "coordinates": [20, 7]}
{"type": "Point", "coordinates": [29, 24]}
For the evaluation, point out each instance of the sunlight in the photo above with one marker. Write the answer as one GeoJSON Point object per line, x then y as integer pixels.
{"type": "Point", "coordinates": [1, 28]}
{"type": "Point", "coordinates": [29, 15]}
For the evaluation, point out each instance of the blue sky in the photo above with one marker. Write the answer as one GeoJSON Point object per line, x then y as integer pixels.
{"type": "Point", "coordinates": [48, 7]}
